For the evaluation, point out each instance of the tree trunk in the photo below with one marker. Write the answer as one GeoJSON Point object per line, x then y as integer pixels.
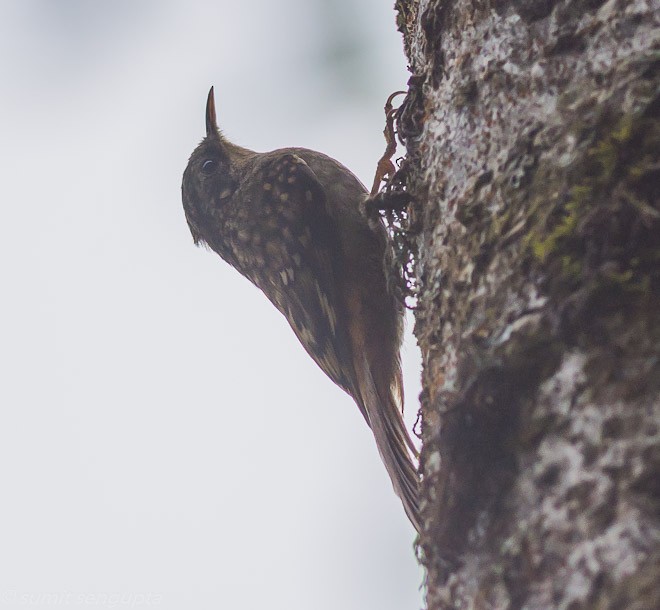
{"type": "Point", "coordinates": [532, 131]}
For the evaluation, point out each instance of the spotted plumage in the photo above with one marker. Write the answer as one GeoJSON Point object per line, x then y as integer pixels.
{"type": "Point", "coordinates": [289, 221]}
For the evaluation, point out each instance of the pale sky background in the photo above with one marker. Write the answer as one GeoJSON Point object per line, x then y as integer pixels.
{"type": "Point", "coordinates": [163, 436]}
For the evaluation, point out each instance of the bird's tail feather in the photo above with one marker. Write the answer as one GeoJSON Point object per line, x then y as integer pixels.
{"type": "Point", "coordinates": [392, 439]}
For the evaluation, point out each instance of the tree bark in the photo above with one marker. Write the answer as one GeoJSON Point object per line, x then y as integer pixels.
{"type": "Point", "coordinates": [532, 130]}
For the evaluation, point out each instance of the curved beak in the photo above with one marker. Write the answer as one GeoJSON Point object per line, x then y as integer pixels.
{"type": "Point", "coordinates": [211, 123]}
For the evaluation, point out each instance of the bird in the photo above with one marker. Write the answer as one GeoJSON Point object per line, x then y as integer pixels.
{"type": "Point", "coordinates": [291, 222]}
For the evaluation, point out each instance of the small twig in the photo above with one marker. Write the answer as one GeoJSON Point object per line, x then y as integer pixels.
{"type": "Point", "coordinates": [385, 167]}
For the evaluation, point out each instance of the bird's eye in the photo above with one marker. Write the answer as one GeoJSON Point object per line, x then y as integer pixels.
{"type": "Point", "coordinates": [209, 166]}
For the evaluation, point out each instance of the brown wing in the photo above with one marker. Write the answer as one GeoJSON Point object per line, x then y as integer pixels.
{"type": "Point", "coordinates": [299, 264]}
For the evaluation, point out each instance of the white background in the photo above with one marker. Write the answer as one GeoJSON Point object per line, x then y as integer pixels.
{"type": "Point", "coordinates": [164, 440]}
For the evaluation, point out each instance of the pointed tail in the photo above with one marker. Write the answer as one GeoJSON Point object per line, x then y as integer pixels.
{"type": "Point", "coordinates": [392, 439]}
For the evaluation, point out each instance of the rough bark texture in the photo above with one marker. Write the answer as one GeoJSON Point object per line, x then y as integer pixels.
{"type": "Point", "coordinates": [532, 132]}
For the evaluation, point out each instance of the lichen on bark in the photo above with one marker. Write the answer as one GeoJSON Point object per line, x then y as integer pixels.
{"type": "Point", "coordinates": [532, 133]}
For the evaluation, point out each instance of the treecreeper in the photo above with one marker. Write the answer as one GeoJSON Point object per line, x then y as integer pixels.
{"type": "Point", "coordinates": [290, 221]}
